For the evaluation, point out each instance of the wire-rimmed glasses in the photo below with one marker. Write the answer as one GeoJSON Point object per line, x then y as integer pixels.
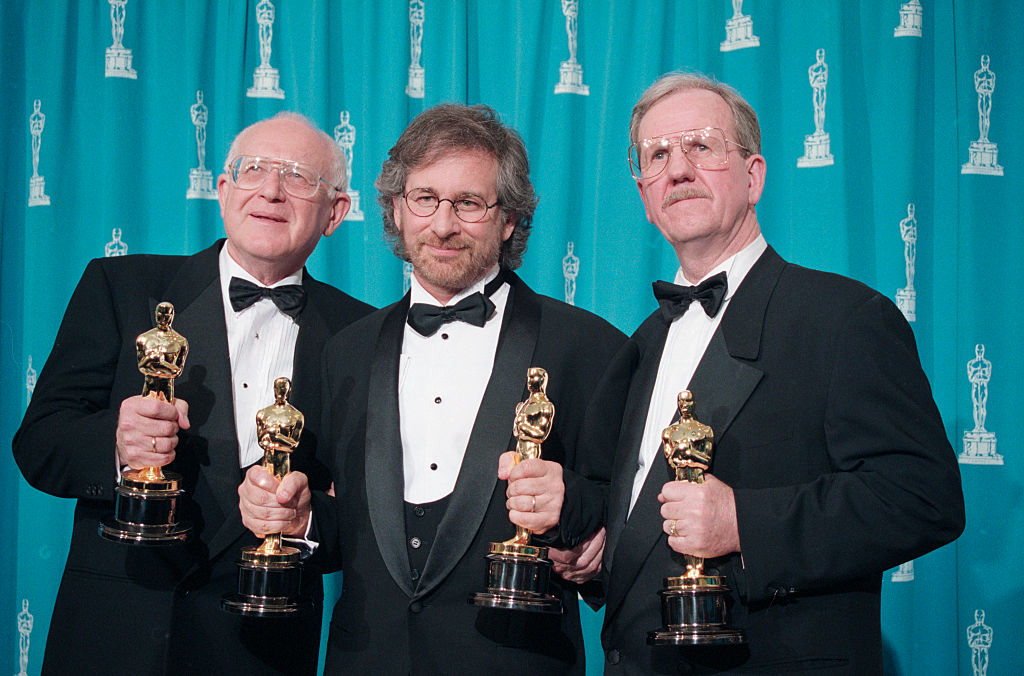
{"type": "Point", "coordinates": [250, 172]}
{"type": "Point", "coordinates": [469, 208]}
{"type": "Point", "coordinates": [705, 148]}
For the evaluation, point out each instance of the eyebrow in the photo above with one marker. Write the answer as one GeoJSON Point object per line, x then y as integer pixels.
{"type": "Point", "coordinates": [437, 193]}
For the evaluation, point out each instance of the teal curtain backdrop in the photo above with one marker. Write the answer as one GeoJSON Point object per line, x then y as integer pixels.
{"type": "Point", "coordinates": [913, 188]}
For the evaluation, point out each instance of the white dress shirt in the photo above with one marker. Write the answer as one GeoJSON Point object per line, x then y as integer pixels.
{"type": "Point", "coordinates": [441, 382]}
{"type": "Point", "coordinates": [688, 338]}
{"type": "Point", "coordinates": [261, 346]}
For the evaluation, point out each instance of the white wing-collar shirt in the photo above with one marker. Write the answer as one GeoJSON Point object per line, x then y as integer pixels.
{"type": "Point", "coordinates": [261, 346]}
{"type": "Point", "coordinates": [441, 382]}
{"type": "Point", "coordinates": [688, 338]}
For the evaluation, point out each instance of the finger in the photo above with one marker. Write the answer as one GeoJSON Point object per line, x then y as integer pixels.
{"type": "Point", "coordinates": [182, 407]}
{"type": "Point", "coordinates": [506, 461]}
{"type": "Point", "coordinates": [536, 486]}
{"type": "Point", "coordinates": [522, 503]}
{"type": "Point", "coordinates": [535, 467]}
{"type": "Point", "coordinates": [675, 490]}
{"type": "Point", "coordinates": [535, 522]}
{"type": "Point", "coordinates": [150, 407]}
{"type": "Point", "coordinates": [562, 558]}
{"type": "Point", "coordinates": [263, 526]}
{"type": "Point", "coordinates": [593, 548]}
{"type": "Point", "coordinates": [293, 488]}
{"type": "Point", "coordinates": [259, 478]}
{"type": "Point", "coordinates": [151, 452]}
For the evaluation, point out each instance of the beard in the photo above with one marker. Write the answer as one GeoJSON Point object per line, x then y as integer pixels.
{"type": "Point", "coordinates": [469, 265]}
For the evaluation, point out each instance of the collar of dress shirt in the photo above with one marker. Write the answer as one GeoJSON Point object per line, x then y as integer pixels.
{"type": "Point", "coordinates": [735, 267]}
{"type": "Point", "coordinates": [229, 268]}
{"type": "Point", "coordinates": [421, 295]}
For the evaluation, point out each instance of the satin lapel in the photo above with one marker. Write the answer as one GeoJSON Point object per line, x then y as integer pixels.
{"type": "Point", "coordinates": [641, 533]}
{"type": "Point", "coordinates": [724, 378]}
{"type": "Point", "coordinates": [720, 386]}
{"type": "Point", "coordinates": [306, 382]}
{"type": "Point", "coordinates": [491, 436]}
{"type": "Point", "coordinates": [651, 338]}
{"type": "Point", "coordinates": [210, 455]}
{"type": "Point", "coordinates": [385, 484]}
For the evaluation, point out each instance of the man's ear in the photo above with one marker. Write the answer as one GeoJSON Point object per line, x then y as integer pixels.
{"type": "Point", "coordinates": [342, 203]}
{"type": "Point", "coordinates": [756, 168]}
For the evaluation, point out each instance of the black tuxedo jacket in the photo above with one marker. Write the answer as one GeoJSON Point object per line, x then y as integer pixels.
{"type": "Point", "coordinates": [826, 429]}
{"type": "Point", "coordinates": [144, 610]}
{"type": "Point", "coordinates": [388, 622]}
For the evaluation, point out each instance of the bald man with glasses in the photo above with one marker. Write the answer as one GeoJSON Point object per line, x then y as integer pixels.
{"type": "Point", "coordinates": [251, 313]}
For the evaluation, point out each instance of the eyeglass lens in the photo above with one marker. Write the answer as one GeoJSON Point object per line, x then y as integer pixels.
{"type": "Point", "coordinates": [469, 208]}
{"type": "Point", "coordinates": [705, 148]}
{"type": "Point", "coordinates": [299, 180]}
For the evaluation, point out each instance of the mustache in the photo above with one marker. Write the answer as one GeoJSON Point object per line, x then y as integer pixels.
{"type": "Point", "coordinates": [453, 241]}
{"type": "Point", "coordinates": [683, 194]}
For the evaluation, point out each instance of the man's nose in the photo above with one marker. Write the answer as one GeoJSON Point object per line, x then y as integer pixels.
{"type": "Point", "coordinates": [273, 186]}
{"type": "Point", "coordinates": [445, 222]}
{"type": "Point", "coordinates": [679, 167]}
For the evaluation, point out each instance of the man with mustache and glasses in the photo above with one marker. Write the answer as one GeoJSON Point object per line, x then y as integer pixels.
{"type": "Point", "coordinates": [830, 461]}
{"type": "Point", "coordinates": [420, 401]}
{"type": "Point", "coordinates": [250, 313]}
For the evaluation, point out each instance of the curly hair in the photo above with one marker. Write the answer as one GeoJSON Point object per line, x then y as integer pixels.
{"type": "Point", "coordinates": [451, 127]}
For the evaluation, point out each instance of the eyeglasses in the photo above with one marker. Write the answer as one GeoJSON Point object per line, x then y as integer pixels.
{"type": "Point", "coordinates": [299, 180]}
{"type": "Point", "coordinates": [703, 148]}
{"type": "Point", "coordinates": [469, 208]}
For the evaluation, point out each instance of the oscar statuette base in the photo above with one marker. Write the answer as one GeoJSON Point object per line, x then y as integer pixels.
{"type": "Point", "coordinates": [145, 511]}
{"type": "Point", "coordinates": [693, 613]}
{"type": "Point", "coordinates": [268, 584]}
{"type": "Point", "coordinates": [517, 579]}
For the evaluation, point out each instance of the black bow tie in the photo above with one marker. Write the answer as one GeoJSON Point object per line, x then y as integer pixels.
{"type": "Point", "coordinates": [675, 299]}
{"type": "Point", "coordinates": [289, 298]}
{"type": "Point", "coordinates": [474, 309]}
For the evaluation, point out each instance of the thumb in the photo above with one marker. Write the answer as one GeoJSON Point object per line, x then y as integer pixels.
{"type": "Point", "coordinates": [182, 406]}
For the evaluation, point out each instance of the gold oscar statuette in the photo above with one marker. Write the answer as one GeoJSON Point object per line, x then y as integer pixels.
{"type": "Point", "coordinates": [147, 498]}
{"type": "Point", "coordinates": [693, 605]}
{"type": "Point", "coordinates": [518, 573]}
{"type": "Point", "coordinates": [270, 575]}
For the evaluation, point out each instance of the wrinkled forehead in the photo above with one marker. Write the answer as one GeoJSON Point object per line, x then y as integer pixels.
{"type": "Point", "coordinates": [687, 109]}
{"type": "Point", "coordinates": [284, 140]}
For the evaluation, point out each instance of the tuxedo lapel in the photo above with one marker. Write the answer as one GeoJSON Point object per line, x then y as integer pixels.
{"type": "Point", "coordinates": [314, 331]}
{"type": "Point", "coordinates": [725, 377]}
{"type": "Point", "coordinates": [491, 436]}
{"type": "Point", "coordinates": [209, 457]}
{"type": "Point", "coordinates": [385, 484]}
{"type": "Point", "coordinates": [650, 338]}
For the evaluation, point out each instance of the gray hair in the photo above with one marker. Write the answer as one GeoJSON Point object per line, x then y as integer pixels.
{"type": "Point", "coordinates": [449, 127]}
{"type": "Point", "coordinates": [337, 172]}
{"type": "Point", "coordinates": [748, 131]}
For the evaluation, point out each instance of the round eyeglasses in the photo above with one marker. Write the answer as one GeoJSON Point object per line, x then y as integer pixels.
{"type": "Point", "coordinates": [705, 148]}
{"type": "Point", "coordinates": [250, 172]}
{"type": "Point", "coordinates": [469, 208]}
